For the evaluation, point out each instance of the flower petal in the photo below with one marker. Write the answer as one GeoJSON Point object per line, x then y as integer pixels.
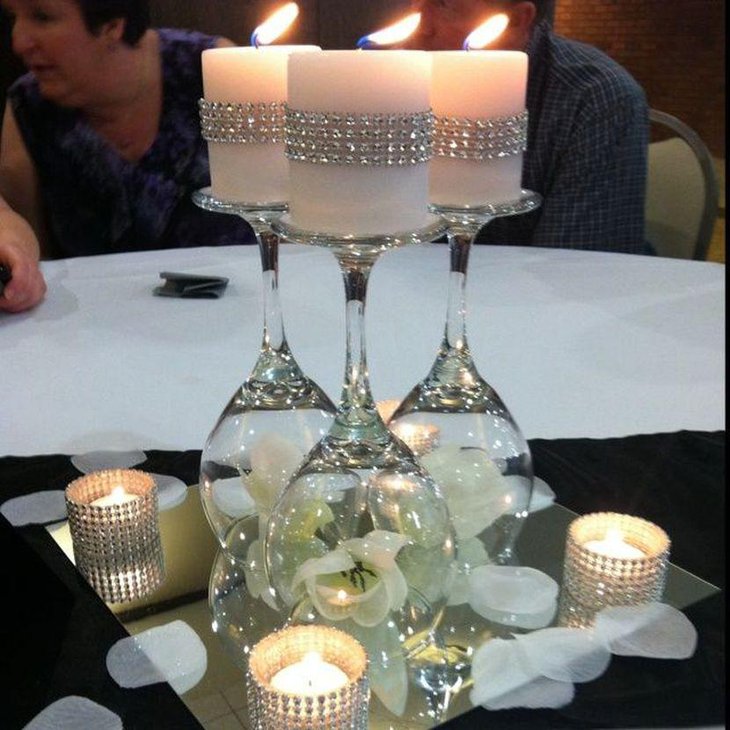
{"type": "Point", "coordinates": [374, 609]}
{"type": "Point", "coordinates": [654, 630]}
{"type": "Point", "coordinates": [565, 654]}
{"type": "Point", "coordinates": [511, 590]}
{"type": "Point", "coordinates": [333, 562]}
{"type": "Point", "coordinates": [378, 547]}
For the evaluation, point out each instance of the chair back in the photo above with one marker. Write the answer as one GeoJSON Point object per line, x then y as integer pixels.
{"type": "Point", "coordinates": [682, 192]}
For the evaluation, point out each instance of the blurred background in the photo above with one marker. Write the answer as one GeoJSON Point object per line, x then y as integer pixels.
{"type": "Point", "coordinates": [676, 50]}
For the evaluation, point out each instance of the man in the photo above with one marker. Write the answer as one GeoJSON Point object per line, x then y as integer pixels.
{"type": "Point", "coordinates": [587, 134]}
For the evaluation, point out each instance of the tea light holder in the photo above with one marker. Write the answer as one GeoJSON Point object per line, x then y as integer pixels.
{"type": "Point", "coordinates": [386, 408]}
{"type": "Point", "coordinates": [614, 559]}
{"type": "Point", "coordinates": [115, 533]}
{"type": "Point", "coordinates": [308, 677]}
{"type": "Point", "coordinates": [419, 437]}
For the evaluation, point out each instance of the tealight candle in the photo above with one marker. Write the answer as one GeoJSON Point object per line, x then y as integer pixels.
{"type": "Point", "coordinates": [358, 141]}
{"type": "Point", "coordinates": [477, 94]}
{"type": "Point", "coordinates": [613, 546]}
{"type": "Point", "coordinates": [307, 677]}
{"type": "Point", "coordinates": [386, 408]}
{"type": "Point", "coordinates": [311, 675]}
{"type": "Point", "coordinates": [117, 496]}
{"type": "Point", "coordinates": [420, 438]}
{"type": "Point", "coordinates": [114, 526]}
{"type": "Point", "coordinates": [615, 559]}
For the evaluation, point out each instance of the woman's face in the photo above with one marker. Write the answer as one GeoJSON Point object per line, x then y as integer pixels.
{"type": "Point", "coordinates": [51, 39]}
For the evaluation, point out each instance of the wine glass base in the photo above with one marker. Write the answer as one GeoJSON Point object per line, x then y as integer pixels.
{"type": "Point", "coordinates": [478, 215]}
{"type": "Point", "coordinates": [360, 247]}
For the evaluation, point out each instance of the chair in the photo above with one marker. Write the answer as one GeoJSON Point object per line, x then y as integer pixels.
{"type": "Point", "coordinates": [681, 193]}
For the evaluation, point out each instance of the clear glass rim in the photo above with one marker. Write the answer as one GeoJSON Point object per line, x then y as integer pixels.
{"type": "Point", "coordinates": [205, 199]}
{"type": "Point", "coordinates": [464, 214]}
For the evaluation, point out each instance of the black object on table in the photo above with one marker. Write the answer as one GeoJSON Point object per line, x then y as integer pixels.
{"type": "Point", "coordinates": [56, 641]}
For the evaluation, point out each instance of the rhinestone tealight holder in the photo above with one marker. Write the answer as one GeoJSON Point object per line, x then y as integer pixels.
{"type": "Point", "coordinates": [115, 533]}
{"type": "Point", "coordinates": [308, 678]}
{"type": "Point", "coordinates": [613, 559]}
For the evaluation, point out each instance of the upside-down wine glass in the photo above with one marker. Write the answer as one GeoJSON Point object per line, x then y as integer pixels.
{"type": "Point", "coordinates": [273, 418]}
{"type": "Point", "coordinates": [481, 460]}
{"type": "Point", "coordinates": [361, 537]}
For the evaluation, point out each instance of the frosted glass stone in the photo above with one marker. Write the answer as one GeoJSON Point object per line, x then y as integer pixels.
{"type": "Point", "coordinates": [542, 495]}
{"type": "Point", "coordinates": [171, 491]}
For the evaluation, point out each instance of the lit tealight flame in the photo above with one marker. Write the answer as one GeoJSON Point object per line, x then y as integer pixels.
{"type": "Point", "coordinates": [392, 34]}
{"type": "Point", "coordinates": [487, 32]}
{"type": "Point", "coordinates": [274, 25]}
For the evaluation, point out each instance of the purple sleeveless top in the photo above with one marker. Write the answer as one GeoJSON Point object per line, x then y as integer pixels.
{"type": "Point", "coordinates": [96, 201]}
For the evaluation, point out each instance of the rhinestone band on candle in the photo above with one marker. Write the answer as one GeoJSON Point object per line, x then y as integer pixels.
{"type": "Point", "coordinates": [340, 138]}
{"type": "Point", "coordinates": [245, 123]}
{"type": "Point", "coordinates": [615, 559]}
{"type": "Point", "coordinates": [312, 677]}
{"type": "Point", "coordinates": [480, 139]}
{"type": "Point", "coordinates": [420, 438]}
{"type": "Point", "coordinates": [115, 533]}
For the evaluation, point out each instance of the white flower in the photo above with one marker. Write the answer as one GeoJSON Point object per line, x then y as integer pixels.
{"type": "Point", "coordinates": [274, 460]}
{"type": "Point", "coordinates": [475, 490]}
{"type": "Point", "coordinates": [359, 579]}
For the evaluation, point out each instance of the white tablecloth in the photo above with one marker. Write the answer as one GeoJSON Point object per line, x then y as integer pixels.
{"type": "Point", "coordinates": [576, 343]}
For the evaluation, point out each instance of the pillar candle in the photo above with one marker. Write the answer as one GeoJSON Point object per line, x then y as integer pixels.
{"type": "Point", "coordinates": [353, 198]}
{"type": "Point", "coordinates": [249, 172]}
{"type": "Point", "coordinates": [477, 85]}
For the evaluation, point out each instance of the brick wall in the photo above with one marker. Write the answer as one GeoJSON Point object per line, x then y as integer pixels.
{"type": "Point", "coordinates": [675, 50]}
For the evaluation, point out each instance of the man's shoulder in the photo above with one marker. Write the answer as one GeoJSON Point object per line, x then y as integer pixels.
{"type": "Point", "coordinates": [585, 70]}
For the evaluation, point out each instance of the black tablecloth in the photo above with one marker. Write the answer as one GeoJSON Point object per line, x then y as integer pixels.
{"type": "Point", "coordinates": [59, 631]}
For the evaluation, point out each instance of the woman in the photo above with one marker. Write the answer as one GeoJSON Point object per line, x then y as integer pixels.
{"type": "Point", "coordinates": [101, 147]}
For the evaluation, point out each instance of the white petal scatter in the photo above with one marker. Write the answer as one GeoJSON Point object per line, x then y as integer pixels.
{"type": "Point", "coordinates": [39, 508]}
{"type": "Point", "coordinates": [170, 653]}
{"type": "Point", "coordinates": [171, 491]}
{"type": "Point", "coordinates": [542, 495]}
{"type": "Point", "coordinates": [517, 596]}
{"type": "Point", "coordinates": [565, 654]}
{"type": "Point", "coordinates": [540, 693]}
{"type": "Point", "coordinates": [100, 460]}
{"type": "Point", "coordinates": [654, 630]}
{"type": "Point", "coordinates": [75, 713]}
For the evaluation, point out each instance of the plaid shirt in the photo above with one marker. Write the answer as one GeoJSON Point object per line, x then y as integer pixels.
{"type": "Point", "coordinates": [587, 146]}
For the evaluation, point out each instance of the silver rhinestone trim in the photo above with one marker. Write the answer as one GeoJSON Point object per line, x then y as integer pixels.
{"type": "Point", "coordinates": [480, 139]}
{"type": "Point", "coordinates": [331, 138]}
{"type": "Point", "coordinates": [246, 123]}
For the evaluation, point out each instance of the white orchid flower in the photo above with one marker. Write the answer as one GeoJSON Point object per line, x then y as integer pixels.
{"type": "Point", "coordinates": [475, 490]}
{"type": "Point", "coordinates": [359, 579]}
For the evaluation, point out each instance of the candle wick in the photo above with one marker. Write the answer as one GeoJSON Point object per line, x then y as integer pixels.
{"type": "Point", "coordinates": [364, 43]}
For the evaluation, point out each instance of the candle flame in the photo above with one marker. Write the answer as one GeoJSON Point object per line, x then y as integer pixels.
{"type": "Point", "coordinates": [118, 493]}
{"type": "Point", "coordinates": [487, 32]}
{"type": "Point", "coordinates": [393, 33]}
{"type": "Point", "coordinates": [614, 536]}
{"type": "Point", "coordinates": [274, 25]}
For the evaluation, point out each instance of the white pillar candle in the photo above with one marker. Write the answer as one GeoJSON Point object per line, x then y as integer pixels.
{"type": "Point", "coordinates": [477, 85]}
{"type": "Point", "coordinates": [250, 172]}
{"type": "Point", "coordinates": [358, 199]}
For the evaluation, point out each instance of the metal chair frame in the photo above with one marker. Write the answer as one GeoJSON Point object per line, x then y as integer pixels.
{"type": "Point", "coordinates": [704, 158]}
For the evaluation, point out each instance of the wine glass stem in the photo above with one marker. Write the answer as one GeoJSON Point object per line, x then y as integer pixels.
{"type": "Point", "coordinates": [459, 246]}
{"type": "Point", "coordinates": [357, 405]}
{"type": "Point", "coordinates": [273, 320]}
